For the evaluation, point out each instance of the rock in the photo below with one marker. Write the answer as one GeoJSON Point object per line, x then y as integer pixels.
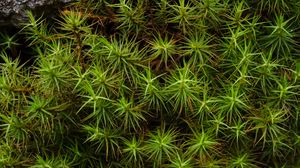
{"type": "Point", "coordinates": [12, 12]}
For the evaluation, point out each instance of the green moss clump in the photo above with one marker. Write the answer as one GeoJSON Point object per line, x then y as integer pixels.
{"type": "Point", "coordinates": [153, 83]}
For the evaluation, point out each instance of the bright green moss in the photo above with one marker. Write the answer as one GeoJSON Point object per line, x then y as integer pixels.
{"type": "Point", "coordinates": [153, 83]}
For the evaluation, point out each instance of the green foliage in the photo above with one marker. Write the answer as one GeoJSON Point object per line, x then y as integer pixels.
{"type": "Point", "coordinates": [130, 17]}
{"type": "Point", "coordinates": [182, 89]}
{"type": "Point", "coordinates": [161, 145]}
{"type": "Point", "coordinates": [180, 161]}
{"type": "Point", "coordinates": [105, 138]}
{"type": "Point", "coordinates": [164, 48]}
{"type": "Point", "coordinates": [130, 115]}
{"type": "Point", "coordinates": [8, 42]}
{"type": "Point", "coordinates": [153, 83]}
{"type": "Point", "coordinates": [51, 162]}
{"type": "Point", "coordinates": [134, 152]}
{"type": "Point", "coordinates": [281, 37]}
{"type": "Point", "coordinates": [183, 14]}
{"type": "Point", "coordinates": [203, 144]}
{"type": "Point", "coordinates": [242, 160]}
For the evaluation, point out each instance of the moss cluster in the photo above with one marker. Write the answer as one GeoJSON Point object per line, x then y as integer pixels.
{"type": "Point", "coordinates": [153, 83]}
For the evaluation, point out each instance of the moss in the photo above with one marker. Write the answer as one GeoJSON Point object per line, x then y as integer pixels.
{"type": "Point", "coordinates": [162, 83]}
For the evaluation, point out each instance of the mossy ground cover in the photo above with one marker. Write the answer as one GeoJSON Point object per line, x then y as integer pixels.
{"type": "Point", "coordinates": [153, 83]}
